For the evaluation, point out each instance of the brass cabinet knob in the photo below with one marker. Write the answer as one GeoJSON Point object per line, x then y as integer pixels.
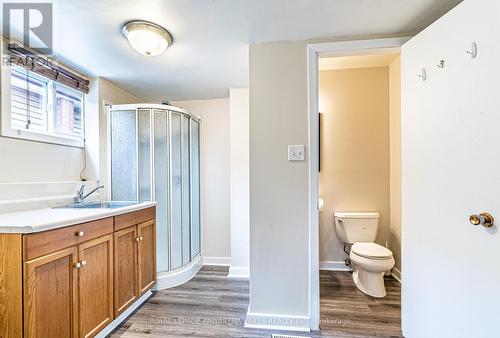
{"type": "Point", "coordinates": [484, 219]}
{"type": "Point", "coordinates": [78, 265]}
{"type": "Point", "coordinates": [141, 238]}
{"type": "Point", "coordinates": [79, 233]}
{"type": "Point", "coordinates": [138, 239]}
{"type": "Point", "coordinates": [84, 263]}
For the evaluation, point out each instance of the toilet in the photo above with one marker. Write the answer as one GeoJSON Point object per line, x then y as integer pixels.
{"type": "Point", "coordinates": [369, 260]}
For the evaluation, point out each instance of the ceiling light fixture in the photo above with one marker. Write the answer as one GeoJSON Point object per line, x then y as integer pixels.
{"type": "Point", "coordinates": [146, 37]}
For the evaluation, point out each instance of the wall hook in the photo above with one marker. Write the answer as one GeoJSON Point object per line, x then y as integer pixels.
{"type": "Point", "coordinates": [441, 64]}
{"type": "Point", "coordinates": [473, 50]}
{"type": "Point", "coordinates": [423, 75]}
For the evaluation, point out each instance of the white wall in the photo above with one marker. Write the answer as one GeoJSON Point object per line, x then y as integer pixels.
{"type": "Point", "coordinates": [23, 161]}
{"type": "Point", "coordinates": [279, 237]}
{"type": "Point", "coordinates": [215, 177]}
{"type": "Point", "coordinates": [240, 185]}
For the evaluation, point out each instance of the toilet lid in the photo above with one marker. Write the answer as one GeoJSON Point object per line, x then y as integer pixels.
{"type": "Point", "coordinates": [371, 250]}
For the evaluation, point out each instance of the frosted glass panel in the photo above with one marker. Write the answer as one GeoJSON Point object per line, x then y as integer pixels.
{"type": "Point", "coordinates": [176, 177]}
{"type": "Point", "coordinates": [186, 209]}
{"type": "Point", "coordinates": [155, 154]}
{"type": "Point", "coordinates": [123, 156]}
{"type": "Point", "coordinates": [195, 189]}
{"type": "Point", "coordinates": [144, 155]}
{"type": "Point", "coordinates": [161, 189]}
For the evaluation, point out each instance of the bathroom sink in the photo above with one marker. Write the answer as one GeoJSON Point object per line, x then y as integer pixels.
{"type": "Point", "coordinates": [99, 205]}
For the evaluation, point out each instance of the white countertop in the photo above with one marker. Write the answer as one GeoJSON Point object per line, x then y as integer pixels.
{"type": "Point", "coordinates": [28, 221]}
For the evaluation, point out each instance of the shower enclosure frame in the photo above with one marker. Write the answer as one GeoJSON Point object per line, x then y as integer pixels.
{"type": "Point", "coordinates": [169, 111]}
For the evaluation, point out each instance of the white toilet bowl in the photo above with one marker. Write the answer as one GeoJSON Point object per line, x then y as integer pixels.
{"type": "Point", "coordinates": [370, 262]}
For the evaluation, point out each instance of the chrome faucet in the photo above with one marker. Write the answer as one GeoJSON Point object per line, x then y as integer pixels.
{"type": "Point", "coordinates": [80, 196]}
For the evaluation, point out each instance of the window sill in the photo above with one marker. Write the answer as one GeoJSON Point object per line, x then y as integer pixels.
{"type": "Point", "coordinates": [42, 138]}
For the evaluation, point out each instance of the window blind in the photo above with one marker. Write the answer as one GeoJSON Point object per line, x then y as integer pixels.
{"type": "Point", "coordinates": [28, 102]}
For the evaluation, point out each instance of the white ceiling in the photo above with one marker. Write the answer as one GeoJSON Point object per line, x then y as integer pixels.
{"type": "Point", "coordinates": [211, 37]}
{"type": "Point", "coordinates": [357, 61]}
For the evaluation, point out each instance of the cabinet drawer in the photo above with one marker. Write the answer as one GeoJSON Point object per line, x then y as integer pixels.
{"type": "Point", "coordinates": [133, 218]}
{"type": "Point", "coordinates": [93, 229]}
{"type": "Point", "coordinates": [43, 243]}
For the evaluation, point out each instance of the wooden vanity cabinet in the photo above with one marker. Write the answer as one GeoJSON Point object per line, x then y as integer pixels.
{"type": "Point", "coordinates": [135, 257]}
{"type": "Point", "coordinates": [95, 288]}
{"type": "Point", "coordinates": [126, 286]}
{"type": "Point", "coordinates": [51, 295]}
{"type": "Point", "coordinates": [74, 281]}
{"type": "Point", "coordinates": [146, 255]}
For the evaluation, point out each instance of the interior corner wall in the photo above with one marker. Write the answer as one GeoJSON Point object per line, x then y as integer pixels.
{"type": "Point", "coordinates": [240, 183]}
{"type": "Point", "coordinates": [395, 161]}
{"type": "Point", "coordinates": [215, 177]}
{"type": "Point", "coordinates": [279, 190]}
{"type": "Point", "coordinates": [354, 176]}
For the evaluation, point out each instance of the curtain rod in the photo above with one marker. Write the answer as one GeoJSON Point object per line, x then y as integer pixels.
{"type": "Point", "coordinates": [31, 57]}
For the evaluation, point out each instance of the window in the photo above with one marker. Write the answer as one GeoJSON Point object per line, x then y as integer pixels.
{"type": "Point", "coordinates": [44, 110]}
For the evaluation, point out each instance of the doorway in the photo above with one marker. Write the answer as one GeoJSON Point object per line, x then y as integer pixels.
{"type": "Point", "coordinates": [368, 49]}
{"type": "Point", "coordinates": [359, 189]}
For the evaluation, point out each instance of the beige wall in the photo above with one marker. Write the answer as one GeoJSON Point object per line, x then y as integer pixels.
{"type": "Point", "coordinates": [354, 151]}
{"type": "Point", "coordinates": [279, 201]}
{"type": "Point", "coordinates": [395, 167]}
{"type": "Point", "coordinates": [215, 176]}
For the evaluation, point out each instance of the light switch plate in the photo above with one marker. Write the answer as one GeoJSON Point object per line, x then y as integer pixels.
{"type": "Point", "coordinates": [296, 152]}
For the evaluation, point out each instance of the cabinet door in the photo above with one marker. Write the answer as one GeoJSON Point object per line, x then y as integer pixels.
{"type": "Point", "coordinates": [147, 255]}
{"type": "Point", "coordinates": [95, 285]}
{"type": "Point", "coordinates": [51, 295]}
{"type": "Point", "coordinates": [125, 272]}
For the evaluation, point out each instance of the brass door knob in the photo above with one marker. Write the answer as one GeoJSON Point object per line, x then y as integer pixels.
{"type": "Point", "coordinates": [484, 219]}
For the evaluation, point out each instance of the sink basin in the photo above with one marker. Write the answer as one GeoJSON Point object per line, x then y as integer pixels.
{"type": "Point", "coordinates": [100, 205]}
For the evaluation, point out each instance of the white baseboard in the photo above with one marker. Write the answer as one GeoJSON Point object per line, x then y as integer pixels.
{"type": "Point", "coordinates": [221, 261]}
{"type": "Point", "coordinates": [239, 272]}
{"type": "Point", "coordinates": [277, 322]}
{"type": "Point", "coordinates": [333, 266]}
{"type": "Point", "coordinates": [115, 323]}
{"type": "Point", "coordinates": [396, 274]}
{"type": "Point", "coordinates": [169, 279]}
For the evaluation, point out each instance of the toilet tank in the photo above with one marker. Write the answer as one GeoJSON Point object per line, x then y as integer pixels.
{"type": "Point", "coordinates": [355, 227]}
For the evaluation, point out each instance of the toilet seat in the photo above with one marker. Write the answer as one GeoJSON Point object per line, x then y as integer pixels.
{"type": "Point", "coordinates": [371, 251]}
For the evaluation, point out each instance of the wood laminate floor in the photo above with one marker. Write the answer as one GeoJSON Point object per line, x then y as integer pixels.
{"type": "Point", "coordinates": [210, 305]}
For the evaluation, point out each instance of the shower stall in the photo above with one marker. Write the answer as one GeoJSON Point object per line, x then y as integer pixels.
{"type": "Point", "coordinates": [154, 155]}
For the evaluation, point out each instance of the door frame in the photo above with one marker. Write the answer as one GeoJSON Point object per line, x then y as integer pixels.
{"type": "Point", "coordinates": [314, 51]}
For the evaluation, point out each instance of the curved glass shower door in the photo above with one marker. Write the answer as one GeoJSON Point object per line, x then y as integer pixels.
{"type": "Point", "coordinates": [186, 191]}
{"type": "Point", "coordinates": [195, 189]}
{"type": "Point", "coordinates": [161, 189]}
{"type": "Point", "coordinates": [176, 191]}
{"type": "Point", "coordinates": [123, 149]}
{"type": "Point", "coordinates": [155, 156]}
